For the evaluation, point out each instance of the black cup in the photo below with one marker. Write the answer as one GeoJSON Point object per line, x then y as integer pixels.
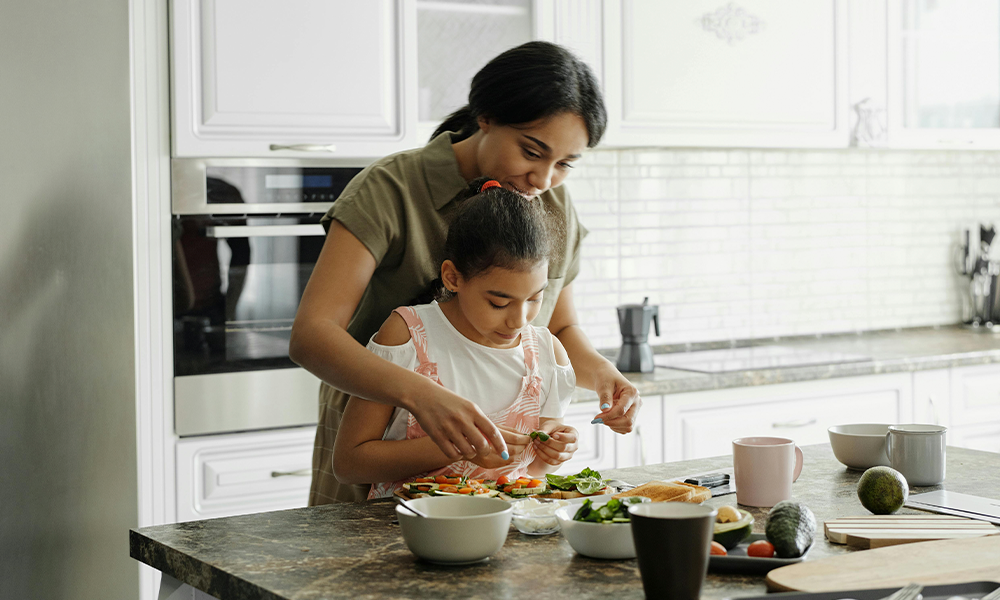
{"type": "Point", "coordinates": [672, 543]}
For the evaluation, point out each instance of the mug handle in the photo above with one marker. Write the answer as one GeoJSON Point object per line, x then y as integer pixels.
{"type": "Point", "coordinates": [798, 464]}
{"type": "Point", "coordinates": [888, 445]}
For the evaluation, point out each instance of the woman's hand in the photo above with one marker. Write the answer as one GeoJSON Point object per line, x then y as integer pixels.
{"type": "Point", "coordinates": [458, 427]}
{"type": "Point", "coordinates": [560, 446]}
{"type": "Point", "coordinates": [516, 443]}
{"type": "Point", "coordinates": [620, 401]}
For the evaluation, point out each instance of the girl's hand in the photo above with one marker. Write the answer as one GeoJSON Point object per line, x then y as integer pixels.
{"type": "Point", "coordinates": [560, 446]}
{"type": "Point", "coordinates": [516, 443]}
{"type": "Point", "coordinates": [620, 401]}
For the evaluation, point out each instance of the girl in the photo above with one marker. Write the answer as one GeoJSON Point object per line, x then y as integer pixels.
{"type": "Point", "coordinates": [532, 112]}
{"type": "Point", "coordinates": [478, 342]}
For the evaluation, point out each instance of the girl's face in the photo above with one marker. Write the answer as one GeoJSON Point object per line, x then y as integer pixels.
{"type": "Point", "coordinates": [530, 158]}
{"type": "Point", "coordinates": [494, 306]}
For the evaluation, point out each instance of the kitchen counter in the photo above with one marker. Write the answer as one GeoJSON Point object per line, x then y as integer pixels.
{"type": "Point", "coordinates": [353, 550]}
{"type": "Point", "coordinates": [891, 351]}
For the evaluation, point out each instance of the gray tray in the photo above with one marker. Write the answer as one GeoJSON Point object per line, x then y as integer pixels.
{"type": "Point", "coordinates": [971, 590]}
{"type": "Point", "coordinates": [737, 560]}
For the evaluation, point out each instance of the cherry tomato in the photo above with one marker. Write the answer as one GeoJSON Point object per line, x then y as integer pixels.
{"type": "Point", "coordinates": [718, 549]}
{"type": "Point", "coordinates": [449, 488]}
{"type": "Point", "coordinates": [466, 490]}
{"type": "Point", "coordinates": [425, 480]}
{"type": "Point", "coordinates": [503, 480]}
{"type": "Point", "coordinates": [535, 483]}
{"type": "Point", "coordinates": [761, 548]}
{"type": "Point", "coordinates": [441, 479]}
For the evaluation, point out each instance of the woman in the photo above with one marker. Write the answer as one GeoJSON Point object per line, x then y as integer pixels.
{"type": "Point", "coordinates": [531, 113]}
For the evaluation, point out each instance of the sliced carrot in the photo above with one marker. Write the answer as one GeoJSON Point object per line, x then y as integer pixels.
{"type": "Point", "coordinates": [465, 491]}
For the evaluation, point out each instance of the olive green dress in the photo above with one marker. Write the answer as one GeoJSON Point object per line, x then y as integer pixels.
{"type": "Point", "coordinates": [399, 208]}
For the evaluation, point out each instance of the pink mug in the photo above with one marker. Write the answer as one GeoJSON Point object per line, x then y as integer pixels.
{"type": "Point", "coordinates": [765, 468]}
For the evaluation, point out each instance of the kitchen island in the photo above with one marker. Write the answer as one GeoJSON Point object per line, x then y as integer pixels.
{"type": "Point", "coordinates": [354, 550]}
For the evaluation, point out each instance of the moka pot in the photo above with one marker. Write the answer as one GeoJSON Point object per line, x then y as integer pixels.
{"type": "Point", "coordinates": [636, 355]}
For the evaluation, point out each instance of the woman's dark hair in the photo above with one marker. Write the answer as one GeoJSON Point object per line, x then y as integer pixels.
{"type": "Point", "coordinates": [529, 82]}
{"type": "Point", "coordinates": [495, 228]}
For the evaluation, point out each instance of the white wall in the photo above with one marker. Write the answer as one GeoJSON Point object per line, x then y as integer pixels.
{"type": "Point", "coordinates": [736, 244]}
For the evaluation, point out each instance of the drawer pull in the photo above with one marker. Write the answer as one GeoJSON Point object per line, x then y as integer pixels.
{"type": "Point", "coordinates": [792, 424]}
{"type": "Point", "coordinates": [304, 147]}
{"type": "Point", "coordinates": [299, 473]}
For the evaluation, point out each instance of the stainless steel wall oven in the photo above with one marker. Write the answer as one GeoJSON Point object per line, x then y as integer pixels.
{"type": "Point", "coordinates": [246, 236]}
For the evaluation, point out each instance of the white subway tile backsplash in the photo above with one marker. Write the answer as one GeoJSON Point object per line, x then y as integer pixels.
{"type": "Point", "coordinates": [734, 244]}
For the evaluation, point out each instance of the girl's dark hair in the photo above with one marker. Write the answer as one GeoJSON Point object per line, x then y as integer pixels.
{"type": "Point", "coordinates": [494, 228]}
{"type": "Point", "coordinates": [529, 82]}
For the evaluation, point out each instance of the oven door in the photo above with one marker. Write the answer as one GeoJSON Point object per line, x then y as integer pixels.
{"type": "Point", "coordinates": [238, 281]}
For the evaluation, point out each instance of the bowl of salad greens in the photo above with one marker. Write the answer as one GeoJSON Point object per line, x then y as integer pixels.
{"type": "Point", "coordinates": [600, 529]}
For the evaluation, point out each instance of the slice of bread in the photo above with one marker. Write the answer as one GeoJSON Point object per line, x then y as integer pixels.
{"type": "Point", "coordinates": [662, 491]}
{"type": "Point", "coordinates": [701, 493]}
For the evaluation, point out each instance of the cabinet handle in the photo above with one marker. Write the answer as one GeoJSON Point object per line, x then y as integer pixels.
{"type": "Point", "coordinates": [304, 147]}
{"type": "Point", "coordinates": [791, 424]}
{"type": "Point", "coordinates": [299, 473]}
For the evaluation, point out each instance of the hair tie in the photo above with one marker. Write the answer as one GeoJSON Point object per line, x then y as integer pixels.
{"type": "Point", "coordinates": [492, 183]}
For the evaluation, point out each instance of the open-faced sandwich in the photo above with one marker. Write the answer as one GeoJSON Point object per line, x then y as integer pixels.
{"type": "Point", "coordinates": [585, 483]}
{"type": "Point", "coordinates": [448, 485]}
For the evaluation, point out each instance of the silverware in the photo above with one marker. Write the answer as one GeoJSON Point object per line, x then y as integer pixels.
{"type": "Point", "coordinates": [403, 503]}
{"type": "Point", "coordinates": [909, 592]}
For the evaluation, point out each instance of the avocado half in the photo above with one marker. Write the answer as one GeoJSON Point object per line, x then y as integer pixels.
{"type": "Point", "coordinates": [731, 534]}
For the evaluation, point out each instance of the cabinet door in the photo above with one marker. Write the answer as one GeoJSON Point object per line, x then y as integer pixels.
{"type": "Point", "coordinates": [597, 442]}
{"type": "Point", "coordinates": [976, 437]}
{"type": "Point", "coordinates": [329, 77]}
{"type": "Point", "coordinates": [703, 424]}
{"type": "Point", "coordinates": [944, 74]}
{"type": "Point", "coordinates": [975, 395]}
{"type": "Point", "coordinates": [758, 73]}
{"type": "Point", "coordinates": [220, 476]}
{"type": "Point", "coordinates": [644, 446]}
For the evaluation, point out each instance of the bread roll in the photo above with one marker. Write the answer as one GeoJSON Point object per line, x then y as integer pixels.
{"type": "Point", "coordinates": [661, 491]}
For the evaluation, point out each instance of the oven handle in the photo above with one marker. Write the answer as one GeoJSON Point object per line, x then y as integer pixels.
{"type": "Point", "coordinates": [241, 231]}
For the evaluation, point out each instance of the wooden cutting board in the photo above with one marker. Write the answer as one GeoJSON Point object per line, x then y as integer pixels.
{"type": "Point", "coordinates": [929, 563]}
{"type": "Point", "coordinates": [876, 531]}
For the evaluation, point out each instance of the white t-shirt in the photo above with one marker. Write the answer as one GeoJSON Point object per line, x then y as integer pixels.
{"type": "Point", "coordinates": [490, 377]}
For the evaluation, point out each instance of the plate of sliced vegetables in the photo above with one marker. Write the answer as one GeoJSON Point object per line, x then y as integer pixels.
{"type": "Point", "coordinates": [583, 484]}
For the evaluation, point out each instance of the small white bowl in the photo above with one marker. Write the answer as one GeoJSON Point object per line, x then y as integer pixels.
{"type": "Point", "coordinates": [456, 530]}
{"type": "Point", "coordinates": [860, 445]}
{"type": "Point", "coordinates": [596, 540]}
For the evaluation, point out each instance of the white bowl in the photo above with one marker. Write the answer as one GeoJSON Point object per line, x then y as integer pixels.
{"type": "Point", "coordinates": [860, 445]}
{"type": "Point", "coordinates": [456, 530]}
{"type": "Point", "coordinates": [596, 540]}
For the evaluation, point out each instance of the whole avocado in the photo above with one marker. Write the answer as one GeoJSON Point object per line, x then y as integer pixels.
{"type": "Point", "coordinates": [882, 490]}
{"type": "Point", "coordinates": [791, 527]}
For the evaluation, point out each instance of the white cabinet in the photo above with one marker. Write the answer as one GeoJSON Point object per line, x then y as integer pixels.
{"type": "Point", "coordinates": [975, 408]}
{"type": "Point", "coordinates": [703, 424]}
{"type": "Point", "coordinates": [944, 74]}
{"type": "Point", "coordinates": [219, 476]}
{"type": "Point", "coordinates": [760, 73]}
{"type": "Point", "coordinates": [596, 443]}
{"type": "Point", "coordinates": [326, 77]}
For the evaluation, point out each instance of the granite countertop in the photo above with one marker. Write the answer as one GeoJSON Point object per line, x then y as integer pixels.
{"type": "Point", "coordinates": [891, 351]}
{"type": "Point", "coordinates": [354, 550]}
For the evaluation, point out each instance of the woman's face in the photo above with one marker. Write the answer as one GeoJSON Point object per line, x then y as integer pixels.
{"type": "Point", "coordinates": [531, 158]}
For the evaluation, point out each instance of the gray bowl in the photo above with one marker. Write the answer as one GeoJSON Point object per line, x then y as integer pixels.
{"type": "Point", "coordinates": [860, 445]}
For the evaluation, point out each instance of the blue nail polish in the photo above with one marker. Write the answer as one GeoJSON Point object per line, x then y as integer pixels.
{"type": "Point", "coordinates": [605, 406]}
{"type": "Point", "coordinates": [597, 422]}
{"type": "Point", "coordinates": [504, 455]}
